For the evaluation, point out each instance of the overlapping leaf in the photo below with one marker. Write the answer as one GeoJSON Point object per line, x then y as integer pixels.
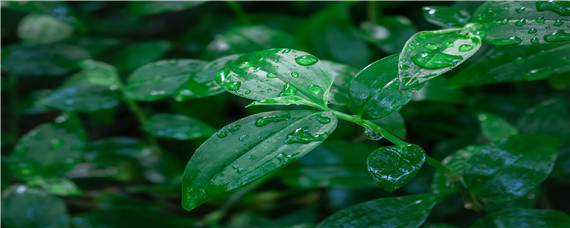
{"type": "Point", "coordinates": [180, 127]}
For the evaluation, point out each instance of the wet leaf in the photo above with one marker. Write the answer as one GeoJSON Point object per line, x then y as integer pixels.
{"type": "Point", "coordinates": [524, 218]}
{"type": "Point", "coordinates": [180, 127]}
{"type": "Point", "coordinates": [456, 162]}
{"type": "Point", "coordinates": [135, 55]}
{"type": "Point", "coordinates": [406, 211]}
{"type": "Point", "coordinates": [43, 29]}
{"type": "Point", "coordinates": [251, 148]}
{"type": "Point", "coordinates": [158, 7]}
{"type": "Point", "coordinates": [495, 128]}
{"type": "Point", "coordinates": [23, 206]}
{"type": "Point", "coordinates": [392, 167]}
{"type": "Point", "coordinates": [42, 60]}
{"type": "Point", "coordinates": [56, 186]}
{"type": "Point", "coordinates": [446, 16]}
{"type": "Point", "coordinates": [390, 33]}
{"type": "Point", "coordinates": [203, 83]}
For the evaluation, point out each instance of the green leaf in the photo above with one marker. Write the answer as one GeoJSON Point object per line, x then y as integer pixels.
{"type": "Point", "coordinates": [42, 60]}
{"type": "Point", "coordinates": [406, 211]}
{"type": "Point", "coordinates": [515, 64]}
{"type": "Point", "coordinates": [138, 54]}
{"type": "Point", "coordinates": [277, 75]}
{"type": "Point", "coordinates": [342, 75]}
{"type": "Point", "coordinates": [524, 22]}
{"type": "Point", "coordinates": [203, 84]}
{"type": "Point", "coordinates": [437, 90]}
{"type": "Point", "coordinates": [376, 91]}
{"type": "Point", "coordinates": [390, 33]}
{"type": "Point", "coordinates": [393, 123]}
{"type": "Point", "coordinates": [429, 54]}
{"type": "Point", "coordinates": [23, 206]}
{"type": "Point", "coordinates": [50, 149]}
{"type": "Point", "coordinates": [43, 29]}
{"type": "Point", "coordinates": [59, 10]}
{"type": "Point", "coordinates": [456, 162]}
{"type": "Point", "coordinates": [57, 186]}
{"type": "Point", "coordinates": [559, 81]}
{"type": "Point", "coordinates": [180, 127]}
{"type": "Point", "coordinates": [446, 16]}
{"type": "Point", "coordinates": [247, 39]}
{"type": "Point", "coordinates": [511, 167]}
{"type": "Point", "coordinates": [330, 166]}
{"type": "Point", "coordinates": [161, 79]}
{"type": "Point", "coordinates": [523, 218]}
{"type": "Point", "coordinates": [159, 7]}
{"type": "Point", "coordinates": [392, 167]}
{"type": "Point", "coordinates": [95, 45]}
{"type": "Point", "coordinates": [495, 128]}
{"type": "Point", "coordinates": [251, 148]}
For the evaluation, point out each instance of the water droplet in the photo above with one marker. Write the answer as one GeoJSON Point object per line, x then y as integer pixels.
{"type": "Point", "coordinates": [288, 90]}
{"type": "Point", "coordinates": [294, 74]}
{"type": "Point", "coordinates": [233, 86]}
{"type": "Point", "coordinates": [559, 7]}
{"type": "Point", "coordinates": [247, 92]}
{"type": "Point", "coordinates": [558, 23]}
{"type": "Point", "coordinates": [520, 22]}
{"type": "Point", "coordinates": [251, 157]}
{"type": "Point", "coordinates": [465, 47]}
{"type": "Point", "coordinates": [504, 21]}
{"type": "Point", "coordinates": [372, 135]}
{"type": "Point", "coordinates": [520, 10]}
{"type": "Point", "coordinates": [532, 31]}
{"type": "Point", "coordinates": [262, 121]}
{"type": "Point", "coordinates": [271, 75]}
{"type": "Point", "coordinates": [436, 60]}
{"type": "Point", "coordinates": [56, 144]}
{"type": "Point", "coordinates": [421, 35]}
{"type": "Point", "coordinates": [302, 135]}
{"type": "Point", "coordinates": [448, 44]}
{"type": "Point", "coordinates": [238, 169]}
{"type": "Point", "coordinates": [222, 133]}
{"type": "Point", "coordinates": [513, 40]}
{"type": "Point", "coordinates": [233, 128]}
{"type": "Point", "coordinates": [306, 60]}
{"type": "Point", "coordinates": [534, 40]}
{"type": "Point", "coordinates": [404, 67]}
{"type": "Point", "coordinates": [430, 46]}
{"type": "Point", "coordinates": [519, 60]}
{"type": "Point", "coordinates": [537, 74]}
{"type": "Point", "coordinates": [540, 20]}
{"type": "Point", "coordinates": [411, 47]}
{"type": "Point", "coordinates": [557, 36]}
{"type": "Point", "coordinates": [323, 119]}
{"type": "Point", "coordinates": [314, 89]}
{"type": "Point", "coordinates": [243, 138]}
{"type": "Point", "coordinates": [565, 60]}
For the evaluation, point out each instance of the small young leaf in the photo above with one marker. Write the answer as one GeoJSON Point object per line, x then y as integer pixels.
{"type": "Point", "coordinates": [251, 148]}
{"type": "Point", "coordinates": [43, 29]}
{"type": "Point", "coordinates": [42, 60]}
{"type": "Point", "coordinates": [135, 55]}
{"type": "Point", "coordinates": [180, 127]}
{"type": "Point", "coordinates": [203, 83]}
{"type": "Point", "coordinates": [523, 22]}
{"type": "Point", "coordinates": [456, 162]}
{"type": "Point", "coordinates": [524, 218]}
{"type": "Point", "coordinates": [342, 76]}
{"type": "Point", "coordinates": [389, 33]}
{"type": "Point", "coordinates": [514, 64]}
{"type": "Point", "coordinates": [429, 54]}
{"type": "Point", "coordinates": [495, 128]}
{"type": "Point", "coordinates": [23, 206]}
{"type": "Point", "coordinates": [406, 211]}
{"type": "Point", "coordinates": [277, 73]}
{"type": "Point", "coordinates": [376, 91]}
{"type": "Point", "coordinates": [50, 149]}
{"type": "Point", "coordinates": [510, 168]}
{"type": "Point", "coordinates": [159, 7]}
{"type": "Point", "coordinates": [57, 186]}
{"type": "Point", "coordinates": [392, 167]}
{"type": "Point", "coordinates": [157, 80]}
{"type": "Point", "coordinates": [446, 16]}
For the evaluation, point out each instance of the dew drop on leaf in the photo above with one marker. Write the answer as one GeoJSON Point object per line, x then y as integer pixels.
{"type": "Point", "coordinates": [436, 60]}
{"type": "Point", "coordinates": [559, 7]}
{"type": "Point", "coordinates": [294, 74]}
{"type": "Point", "coordinates": [323, 119]}
{"type": "Point", "coordinates": [532, 31]}
{"type": "Point", "coordinates": [558, 23]}
{"type": "Point", "coordinates": [465, 47]}
{"type": "Point", "coordinates": [431, 46]}
{"type": "Point", "coordinates": [288, 90]}
{"type": "Point", "coordinates": [238, 169]}
{"type": "Point", "coordinates": [314, 89]}
{"type": "Point", "coordinates": [306, 60]}
{"type": "Point", "coordinates": [222, 134]}
{"type": "Point", "coordinates": [540, 20]}
{"type": "Point", "coordinates": [271, 75]}
{"type": "Point", "coordinates": [262, 121]}
{"type": "Point", "coordinates": [520, 22]}
{"type": "Point", "coordinates": [520, 10]}
{"type": "Point", "coordinates": [557, 36]}
{"type": "Point", "coordinates": [534, 40]}
{"type": "Point", "coordinates": [448, 44]}
{"type": "Point", "coordinates": [233, 86]}
{"type": "Point", "coordinates": [243, 138]}
{"type": "Point", "coordinates": [513, 40]}
{"type": "Point", "coordinates": [372, 135]}
{"type": "Point", "coordinates": [302, 135]}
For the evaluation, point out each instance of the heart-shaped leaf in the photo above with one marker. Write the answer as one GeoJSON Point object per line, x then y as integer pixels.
{"type": "Point", "coordinates": [392, 167]}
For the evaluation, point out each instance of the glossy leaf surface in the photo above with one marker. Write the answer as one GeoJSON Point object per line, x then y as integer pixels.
{"type": "Point", "coordinates": [515, 64]}
{"type": "Point", "coordinates": [159, 7]}
{"type": "Point", "coordinates": [376, 91]}
{"type": "Point", "coordinates": [23, 206]}
{"type": "Point", "coordinates": [203, 83]}
{"type": "Point", "coordinates": [456, 162]}
{"type": "Point", "coordinates": [42, 60]}
{"type": "Point", "coordinates": [57, 186]}
{"type": "Point", "coordinates": [526, 218]}
{"type": "Point", "coordinates": [429, 54]}
{"type": "Point", "coordinates": [495, 128]}
{"type": "Point", "coordinates": [277, 73]}
{"type": "Point", "coordinates": [524, 22]}
{"type": "Point", "coordinates": [392, 167]}
{"type": "Point", "coordinates": [390, 33]}
{"type": "Point", "coordinates": [446, 16]}
{"type": "Point", "coordinates": [406, 211]}
{"type": "Point", "coordinates": [511, 167]}
{"type": "Point", "coordinates": [251, 148]}
{"type": "Point", "coordinates": [43, 29]}
{"type": "Point", "coordinates": [180, 127]}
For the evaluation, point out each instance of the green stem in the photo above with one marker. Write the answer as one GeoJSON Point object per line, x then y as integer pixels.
{"type": "Point", "coordinates": [142, 119]}
{"type": "Point", "coordinates": [457, 180]}
{"type": "Point", "coordinates": [242, 16]}
{"type": "Point", "coordinates": [370, 125]}
{"type": "Point", "coordinates": [543, 198]}
{"type": "Point", "coordinates": [372, 12]}
{"type": "Point", "coordinates": [13, 97]}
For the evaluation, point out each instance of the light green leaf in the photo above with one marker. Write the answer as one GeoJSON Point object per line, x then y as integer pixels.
{"type": "Point", "coordinates": [429, 54]}
{"type": "Point", "coordinates": [277, 73]}
{"type": "Point", "coordinates": [203, 84]}
{"type": "Point", "coordinates": [159, 7]}
{"type": "Point", "coordinates": [515, 64]}
{"type": "Point", "coordinates": [23, 206]}
{"type": "Point", "coordinates": [392, 167]}
{"type": "Point", "coordinates": [511, 167]}
{"type": "Point", "coordinates": [50, 149]}
{"type": "Point", "coordinates": [180, 127]}
{"type": "Point", "coordinates": [57, 186]}
{"type": "Point", "coordinates": [43, 29]}
{"type": "Point", "coordinates": [390, 33]}
{"type": "Point", "coordinates": [523, 22]}
{"type": "Point", "coordinates": [406, 211]}
{"type": "Point", "coordinates": [59, 10]}
{"type": "Point", "coordinates": [495, 128]}
{"type": "Point", "coordinates": [251, 148]}
{"type": "Point", "coordinates": [160, 79]}
{"type": "Point", "coordinates": [376, 91]}
{"type": "Point", "coordinates": [524, 218]}
{"type": "Point", "coordinates": [135, 55]}
{"type": "Point", "coordinates": [42, 60]}
{"type": "Point", "coordinates": [342, 76]}
{"type": "Point", "coordinates": [456, 162]}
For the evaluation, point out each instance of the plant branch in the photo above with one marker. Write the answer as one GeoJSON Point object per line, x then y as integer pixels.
{"type": "Point", "coordinates": [242, 16]}
{"type": "Point", "coordinates": [372, 12]}
{"type": "Point", "coordinates": [370, 125]}
{"type": "Point", "coordinates": [142, 119]}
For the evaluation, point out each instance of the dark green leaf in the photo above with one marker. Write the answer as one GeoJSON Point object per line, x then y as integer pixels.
{"type": "Point", "coordinates": [59, 10]}
{"type": "Point", "coordinates": [437, 90]}
{"type": "Point", "coordinates": [159, 7]}
{"type": "Point", "coordinates": [180, 127]}
{"type": "Point", "coordinates": [342, 76]}
{"type": "Point", "coordinates": [456, 162]}
{"type": "Point", "coordinates": [524, 218]}
{"type": "Point", "coordinates": [50, 149]}
{"type": "Point", "coordinates": [392, 167]}
{"type": "Point", "coordinates": [524, 22]}
{"type": "Point", "coordinates": [43, 29]}
{"type": "Point", "coordinates": [495, 128]}
{"type": "Point", "coordinates": [251, 148]}
{"type": "Point", "coordinates": [390, 33]}
{"type": "Point", "coordinates": [57, 186]}
{"type": "Point", "coordinates": [559, 81]}
{"type": "Point", "coordinates": [281, 76]}
{"type": "Point", "coordinates": [203, 84]}
{"type": "Point", "coordinates": [95, 45]}
{"type": "Point", "coordinates": [406, 211]}
{"type": "Point", "coordinates": [23, 206]}
{"type": "Point", "coordinates": [514, 64]}
{"type": "Point", "coordinates": [446, 16]}
{"type": "Point", "coordinates": [429, 54]}
{"type": "Point", "coordinates": [247, 39]}
{"type": "Point", "coordinates": [157, 80]}
{"type": "Point", "coordinates": [376, 91]}
{"type": "Point", "coordinates": [42, 60]}
{"type": "Point", "coordinates": [329, 165]}
{"type": "Point", "coordinates": [138, 54]}
{"type": "Point", "coordinates": [510, 168]}
{"type": "Point", "coordinates": [394, 123]}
